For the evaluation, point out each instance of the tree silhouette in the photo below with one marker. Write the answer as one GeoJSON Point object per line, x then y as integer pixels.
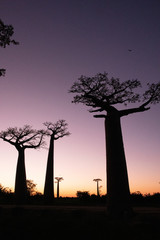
{"type": "Point", "coordinates": [22, 138]}
{"type": "Point", "coordinates": [6, 32]}
{"type": "Point", "coordinates": [97, 180]}
{"type": "Point", "coordinates": [84, 195]}
{"type": "Point", "coordinates": [102, 94]}
{"type": "Point", "coordinates": [31, 187]}
{"type": "Point", "coordinates": [59, 179]}
{"type": "Point", "coordinates": [55, 131]}
{"type": "Point", "coordinates": [4, 190]}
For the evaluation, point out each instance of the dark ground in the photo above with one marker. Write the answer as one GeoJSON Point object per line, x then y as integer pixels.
{"type": "Point", "coordinates": [76, 222]}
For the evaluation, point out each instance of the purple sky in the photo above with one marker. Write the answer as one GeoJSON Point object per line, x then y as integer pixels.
{"type": "Point", "coordinates": [59, 41]}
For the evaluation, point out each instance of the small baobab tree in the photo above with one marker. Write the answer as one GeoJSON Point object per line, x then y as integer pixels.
{"type": "Point", "coordinates": [59, 179]}
{"type": "Point", "coordinates": [102, 95]}
{"type": "Point", "coordinates": [55, 131]}
{"type": "Point", "coordinates": [22, 138]}
{"type": "Point", "coordinates": [97, 180]}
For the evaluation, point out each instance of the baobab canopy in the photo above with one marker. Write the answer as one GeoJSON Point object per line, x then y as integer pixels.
{"type": "Point", "coordinates": [101, 93]}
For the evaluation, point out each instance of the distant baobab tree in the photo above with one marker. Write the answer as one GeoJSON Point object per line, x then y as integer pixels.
{"type": "Point", "coordinates": [6, 32]}
{"type": "Point", "coordinates": [59, 179]}
{"type": "Point", "coordinates": [102, 95]}
{"type": "Point", "coordinates": [55, 131]}
{"type": "Point", "coordinates": [22, 138]}
{"type": "Point", "coordinates": [97, 180]}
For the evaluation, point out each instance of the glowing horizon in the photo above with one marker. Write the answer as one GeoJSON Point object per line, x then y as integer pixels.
{"type": "Point", "coordinates": [70, 185]}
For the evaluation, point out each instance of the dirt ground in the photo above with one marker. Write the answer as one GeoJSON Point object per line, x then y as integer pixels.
{"type": "Point", "coordinates": [76, 222]}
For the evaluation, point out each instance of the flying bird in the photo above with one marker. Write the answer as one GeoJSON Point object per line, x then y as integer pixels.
{"type": "Point", "coordinates": [130, 50]}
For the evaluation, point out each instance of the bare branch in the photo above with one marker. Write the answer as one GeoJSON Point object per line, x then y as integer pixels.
{"type": "Point", "coordinates": [151, 96]}
{"type": "Point", "coordinates": [101, 93]}
{"type": "Point", "coordinates": [126, 112]}
{"type": "Point", "coordinates": [58, 129]}
{"type": "Point", "coordinates": [39, 141]}
{"type": "Point", "coordinates": [100, 116]}
{"type": "Point", "coordinates": [4, 136]}
{"type": "Point", "coordinates": [25, 137]}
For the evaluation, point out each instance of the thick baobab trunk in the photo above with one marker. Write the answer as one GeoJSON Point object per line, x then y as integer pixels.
{"type": "Point", "coordinates": [117, 178]}
{"type": "Point", "coordinates": [20, 183]}
{"type": "Point", "coordinates": [49, 185]}
{"type": "Point", "coordinates": [97, 188]}
{"type": "Point", "coordinates": [58, 189]}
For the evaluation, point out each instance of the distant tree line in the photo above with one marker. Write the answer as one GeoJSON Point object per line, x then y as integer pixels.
{"type": "Point", "coordinates": [136, 198]}
{"type": "Point", "coordinates": [82, 197]}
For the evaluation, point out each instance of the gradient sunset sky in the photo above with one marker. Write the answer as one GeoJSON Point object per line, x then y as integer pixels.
{"type": "Point", "coordinates": [61, 40]}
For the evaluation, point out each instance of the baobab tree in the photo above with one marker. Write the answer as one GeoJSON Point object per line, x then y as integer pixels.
{"type": "Point", "coordinates": [59, 179]}
{"type": "Point", "coordinates": [6, 32]}
{"type": "Point", "coordinates": [55, 131]}
{"type": "Point", "coordinates": [97, 180]}
{"type": "Point", "coordinates": [103, 95]}
{"type": "Point", "coordinates": [22, 138]}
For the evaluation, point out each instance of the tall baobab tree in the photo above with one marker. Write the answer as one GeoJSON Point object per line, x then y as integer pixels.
{"type": "Point", "coordinates": [97, 180]}
{"type": "Point", "coordinates": [6, 32]}
{"type": "Point", "coordinates": [103, 95]}
{"type": "Point", "coordinates": [21, 139]}
{"type": "Point", "coordinates": [59, 179]}
{"type": "Point", "coordinates": [55, 131]}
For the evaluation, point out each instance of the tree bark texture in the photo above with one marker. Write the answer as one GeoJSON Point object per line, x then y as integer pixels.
{"type": "Point", "coordinates": [20, 182]}
{"type": "Point", "coordinates": [117, 177]}
{"type": "Point", "coordinates": [49, 185]}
